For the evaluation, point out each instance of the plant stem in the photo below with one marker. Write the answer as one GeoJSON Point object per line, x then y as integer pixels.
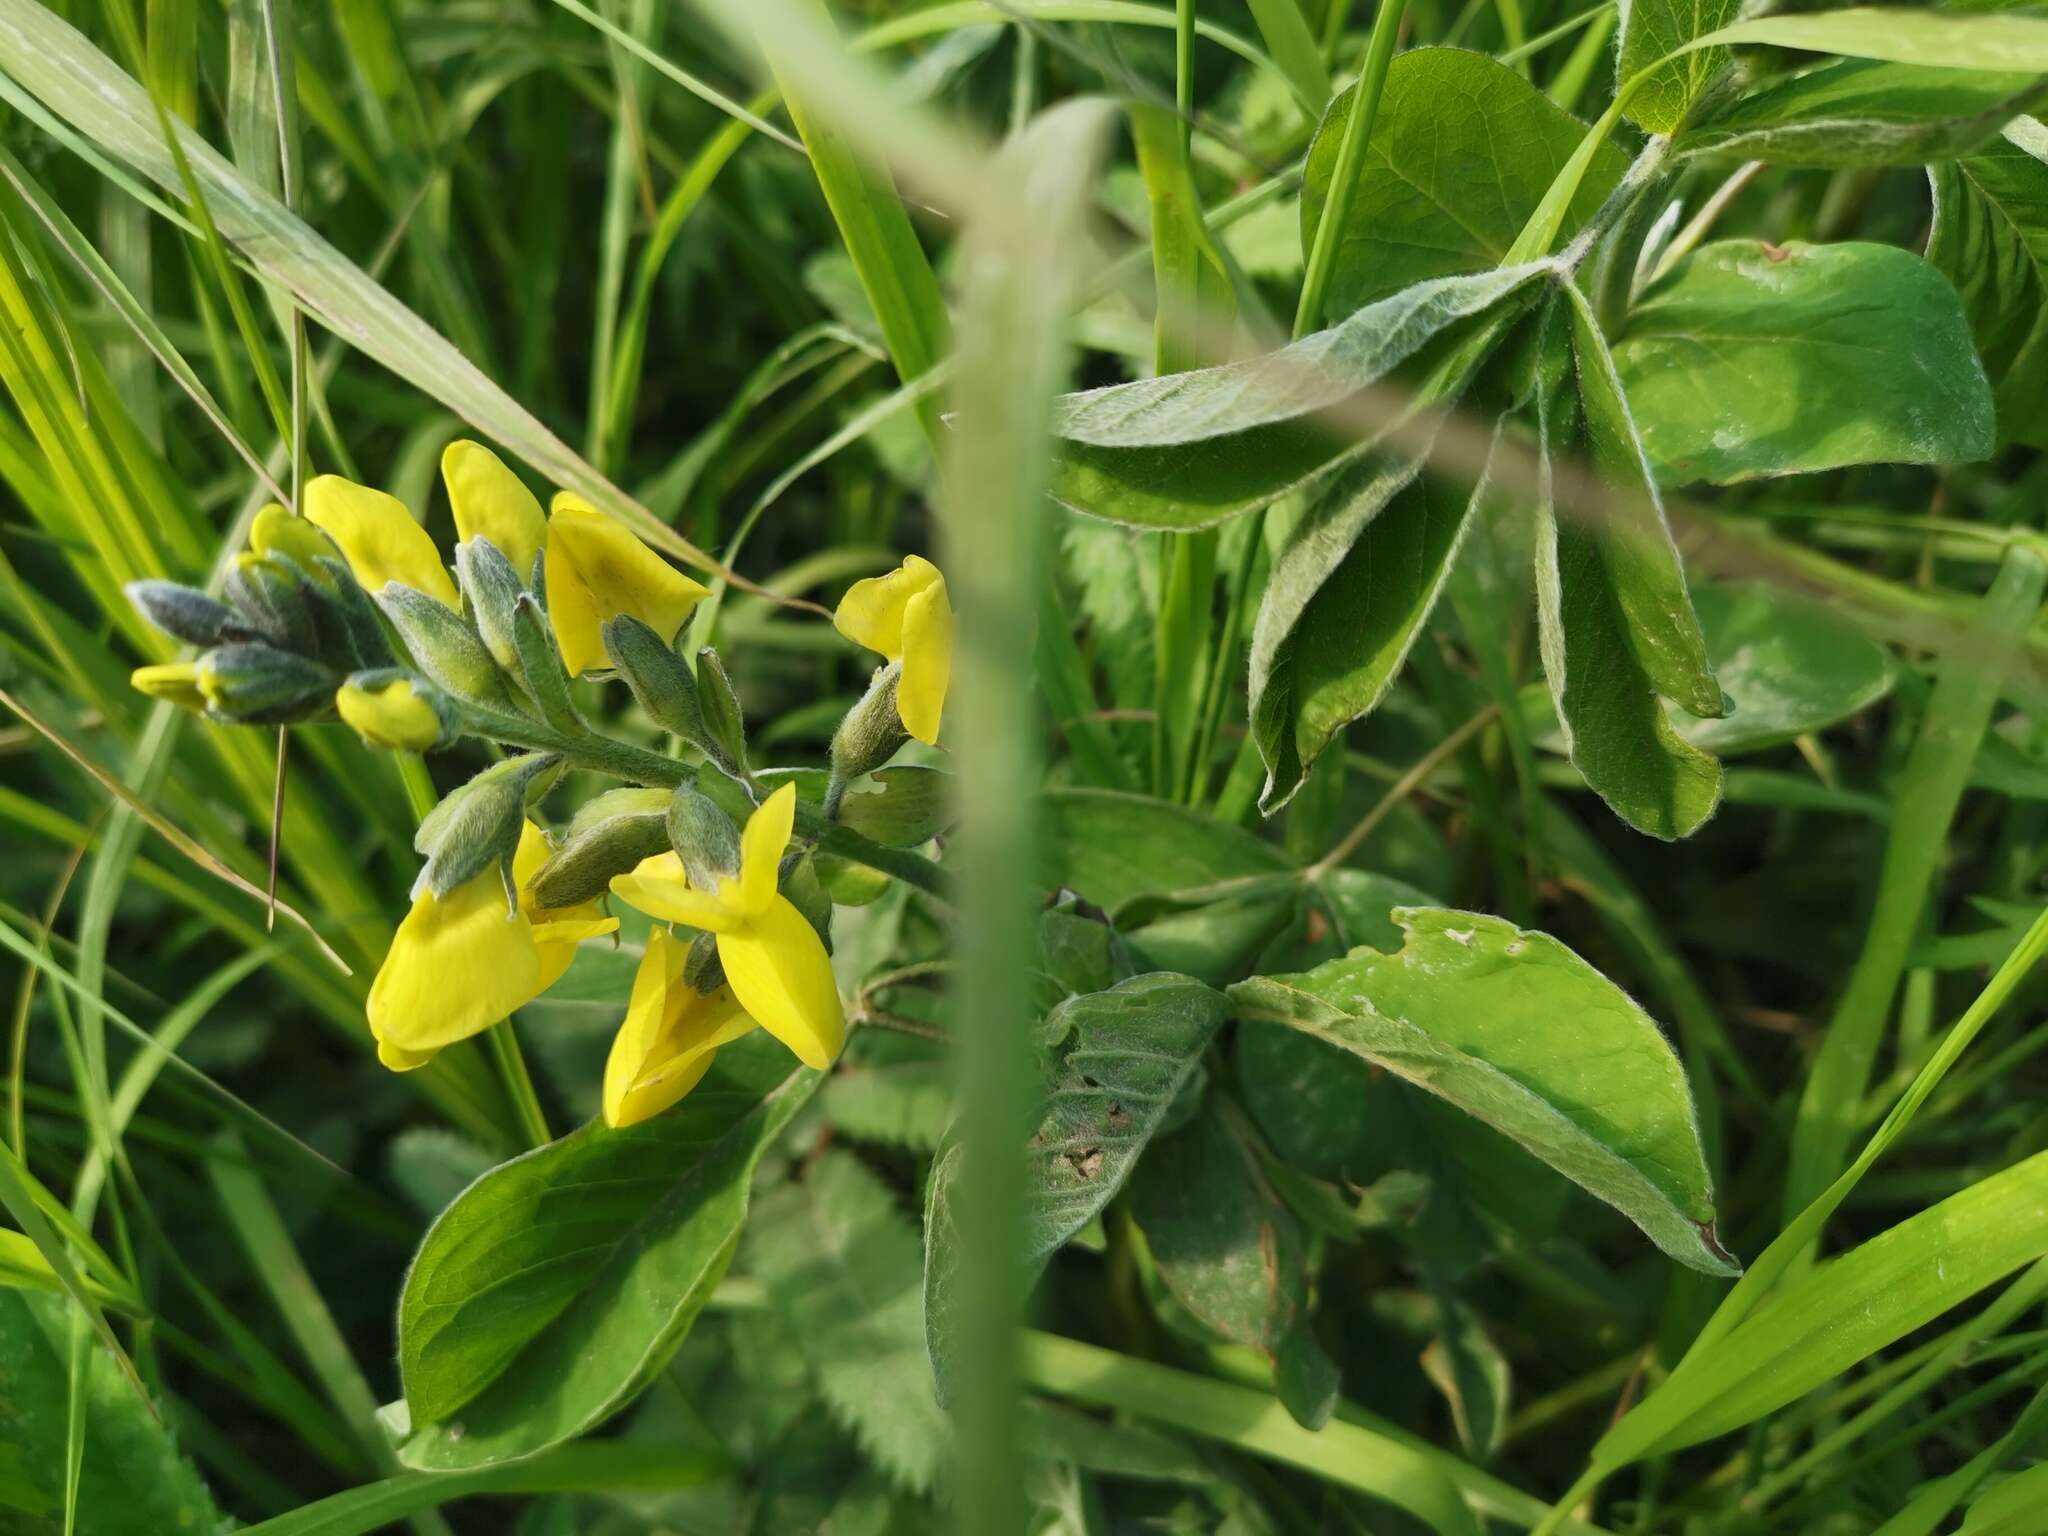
{"type": "Point", "coordinates": [1365, 106]}
{"type": "Point", "coordinates": [1400, 790]}
{"type": "Point", "coordinates": [518, 1083]}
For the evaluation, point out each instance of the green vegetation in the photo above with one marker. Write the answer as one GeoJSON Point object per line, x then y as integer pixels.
{"type": "Point", "coordinates": [1056, 766]}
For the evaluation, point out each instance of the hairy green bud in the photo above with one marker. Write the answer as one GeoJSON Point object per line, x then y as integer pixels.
{"type": "Point", "coordinates": [659, 678]}
{"type": "Point", "coordinates": [443, 647]}
{"type": "Point", "coordinates": [477, 826]}
{"type": "Point", "coordinates": [868, 737]}
{"type": "Point", "coordinates": [706, 839]}
{"type": "Point", "coordinates": [609, 836]}
{"type": "Point", "coordinates": [256, 684]}
{"type": "Point", "coordinates": [183, 613]}
{"type": "Point", "coordinates": [725, 727]}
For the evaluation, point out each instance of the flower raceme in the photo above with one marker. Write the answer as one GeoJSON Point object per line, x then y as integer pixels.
{"type": "Point", "coordinates": [774, 961]}
{"type": "Point", "coordinates": [906, 616]}
{"type": "Point", "coordinates": [462, 961]}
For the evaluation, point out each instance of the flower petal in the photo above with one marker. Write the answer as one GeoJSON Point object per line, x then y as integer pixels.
{"type": "Point", "coordinates": [778, 969]}
{"type": "Point", "coordinates": [761, 846]}
{"type": "Point", "coordinates": [660, 971]}
{"type": "Point", "coordinates": [601, 569]}
{"type": "Point", "coordinates": [177, 681]}
{"type": "Point", "coordinates": [378, 537]}
{"type": "Point", "coordinates": [927, 662]}
{"type": "Point", "coordinates": [673, 901]}
{"type": "Point", "coordinates": [394, 715]}
{"type": "Point", "coordinates": [399, 1059]}
{"type": "Point", "coordinates": [276, 530]}
{"type": "Point", "coordinates": [490, 502]}
{"type": "Point", "coordinates": [457, 965]}
{"type": "Point", "coordinates": [871, 613]}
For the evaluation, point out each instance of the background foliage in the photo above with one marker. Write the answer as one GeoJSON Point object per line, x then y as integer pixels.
{"type": "Point", "coordinates": [1622, 599]}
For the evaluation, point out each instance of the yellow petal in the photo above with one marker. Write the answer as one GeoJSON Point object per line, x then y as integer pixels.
{"type": "Point", "coordinates": [778, 968]}
{"type": "Point", "coordinates": [871, 613]}
{"type": "Point", "coordinates": [399, 1059]}
{"type": "Point", "coordinates": [378, 537]}
{"type": "Point", "coordinates": [761, 845]}
{"type": "Point", "coordinates": [597, 569]}
{"type": "Point", "coordinates": [490, 502]}
{"type": "Point", "coordinates": [277, 531]}
{"type": "Point", "coordinates": [927, 662]}
{"type": "Point", "coordinates": [393, 715]}
{"type": "Point", "coordinates": [556, 943]}
{"type": "Point", "coordinates": [177, 681]}
{"type": "Point", "coordinates": [457, 965]}
{"type": "Point", "coordinates": [673, 901]}
{"type": "Point", "coordinates": [670, 1033]}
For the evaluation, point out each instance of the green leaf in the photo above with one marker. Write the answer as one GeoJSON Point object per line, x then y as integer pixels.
{"type": "Point", "coordinates": [1790, 663]}
{"type": "Point", "coordinates": [133, 1482]}
{"type": "Point", "coordinates": [1231, 1252]}
{"type": "Point", "coordinates": [1861, 112]}
{"type": "Point", "coordinates": [1518, 1031]}
{"type": "Point", "coordinates": [1817, 1326]}
{"type": "Point", "coordinates": [1467, 1367]}
{"type": "Point", "coordinates": [545, 1296]}
{"type": "Point", "coordinates": [1650, 29]}
{"type": "Point", "coordinates": [1191, 449]}
{"type": "Point", "coordinates": [1990, 239]}
{"type": "Point", "coordinates": [1462, 151]}
{"type": "Point", "coordinates": [1753, 359]}
{"type": "Point", "coordinates": [842, 1265]}
{"type": "Point", "coordinates": [1615, 620]}
{"type": "Point", "coordinates": [1111, 848]}
{"type": "Point", "coordinates": [1129, 1054]}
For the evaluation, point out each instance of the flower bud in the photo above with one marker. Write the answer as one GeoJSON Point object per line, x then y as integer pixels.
{"type": "Point", "coordinates": [609, 836]}
{"type": "Point", "coordinates": [659, 678]}
{"type": "Point", "coordinates": [442, 646]}
{"type": "Point", "coordinates": [396, 710]}
{"type": "Point", "coordinates": [491, 586]}
{"type": "Point", "coordinates": [540, 667]}
{"type": "Point", "coordinates": [806, 892]}
{"type": "Point", "coordinates": [257, 684]}
{"type": "Point", "coordinates": [725, 727]}
{"type": "Point", "coordinates": [704, 837]}
{"type": "Point", "coordinates": [183, 613]}
{"type": "Point", "coordinates": [174, 681]}
{"type": "Point", "coordinates": [870, 733]}
{"type": "Point", "coordinates": [352, 637]}
{"type": "Point", "coordinates": [265, 595]}
{"type": "Point", "coordinates": [478, 825]}
{"type": "Point", "coordinates": [702, 968]}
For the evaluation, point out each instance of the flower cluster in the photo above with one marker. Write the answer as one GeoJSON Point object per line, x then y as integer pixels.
{"type": "Point", "coordinates": [350, 611]}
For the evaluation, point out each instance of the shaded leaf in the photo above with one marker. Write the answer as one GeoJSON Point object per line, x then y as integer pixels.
{"type": "Point", "coordinates": [1990, 239]}
{"type": "Point", "coordinates": [1858, 112]}
{"type": "Point", "coordinates": [1232, 1254]}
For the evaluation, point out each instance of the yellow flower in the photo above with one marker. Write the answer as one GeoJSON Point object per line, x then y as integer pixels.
{"type": "Point", "coordinates": [774, 960]}
{"type": "Point", "coordinates": [490, 502]}
{"type": "Point", "coordinates": [670, 1034]}
{"type": "Point", "coordinates": [395, 714]}
{"type": "Point", "coordinates": [459, 963]}
{"type": "Point", "coordinates": [378, 537]}
{"type": "Point", "coordinates": [598, 569]}
{"type": "Point", "coordinates": [276, 531]}
{"type": "Point", "coordinates": [177, 681]}
{"type": "Point", "coordinates": [905, 615]}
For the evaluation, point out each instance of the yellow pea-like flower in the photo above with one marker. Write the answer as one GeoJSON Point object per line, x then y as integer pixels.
{"type": "Point", "coordinates": [490, 502]}
{"type": "Point", "coordinates": [597, 569]}
{"type": "Point", "coordinates": [177, 681]}
{"type": "Point", "coordinates": [393, 714]}
{"type": "Point", "coordinates": [671, 1032]}
{"type": "Point", "coordinates": [460, 962]}
{"type": "Point", "coordinates": [906, 616]}
{"type": "Point", "coordinates": [378, 537]}
{"type": "Point", "coordinates": [774, 960]}
{"type": "Point", "coordinates": [276, 531]}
